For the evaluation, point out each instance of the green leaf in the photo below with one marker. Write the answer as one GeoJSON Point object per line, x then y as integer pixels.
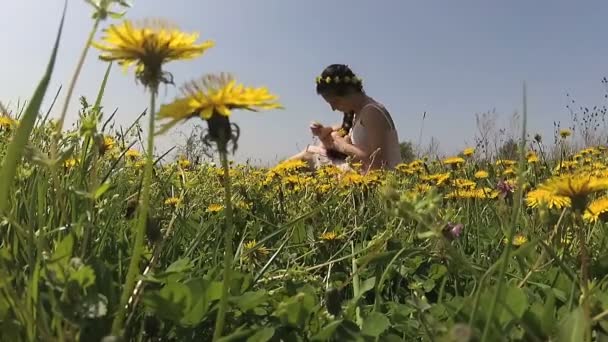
{"type": "Point", "coordinates": [16, 147]}
{"type": "Point", "coordinates": [295, 310]}
{"type": "Point", "coordinates": [250, 300]}
{"type": "Point", "coordinates": [84, 276]}
{"type": "Point", "coordinates": [239, 333]}
{"type": "Point", "coordinates": [517, 302]}
{"type": "Point", "coordinates": [376, 258]}
{"type": "Point", "coordinates": [547, 320]}
{"type": "Point", "coordinates": [327, 331]}
{"type": "Point", "coordinates": [367, 285]}
{"type": "Point", "coordinates": [116, 15]}
{"type": "Point", "coordinates": [202, 294]}
{"type": "Point", "coordinates": [375, 324]}
{"type": "Point", "coordinates": [101, 190]}
{"type": "Point", "coordinates": [169, 303]}
{"type": "Point", "coordinates": [572, 328]}
{"type": "Point", "coordinates": [4, 306]}
{"type": "Point", "coordinates": [263, 335]}
{"type": "Point", "coordinates": [63, 250]}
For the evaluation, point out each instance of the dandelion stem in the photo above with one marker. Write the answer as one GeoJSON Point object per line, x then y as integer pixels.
{"type": "Point", "coordinates": [133, 271]}
{"type": "Point", "coordinates": [83, 56]}
{"type": "Point", "coordinates": [228, 236]}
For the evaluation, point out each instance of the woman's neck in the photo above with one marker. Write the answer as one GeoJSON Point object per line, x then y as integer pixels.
{"type": "Point", "coordinates": [360, 101]}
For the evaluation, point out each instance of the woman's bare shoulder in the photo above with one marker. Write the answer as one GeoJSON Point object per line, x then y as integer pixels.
{"type": "Point", "coordinates": [373, 115]}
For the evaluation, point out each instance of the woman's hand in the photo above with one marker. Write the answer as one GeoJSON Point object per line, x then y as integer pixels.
{"type": "Point", "coordinates": [320, 131]}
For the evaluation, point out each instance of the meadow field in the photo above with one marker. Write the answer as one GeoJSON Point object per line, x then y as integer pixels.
{"type": "Point", "coordinates": [104, 238]}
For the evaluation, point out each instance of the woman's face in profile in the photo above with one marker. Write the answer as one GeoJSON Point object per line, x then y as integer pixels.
{"type": "Point", "coordinates": [338, 103]}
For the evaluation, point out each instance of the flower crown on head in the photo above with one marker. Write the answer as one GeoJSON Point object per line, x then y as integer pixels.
{"type": "Point", "coordinates": [338, 79]}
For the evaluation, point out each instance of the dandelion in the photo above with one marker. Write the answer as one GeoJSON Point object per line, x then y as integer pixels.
{"type": "Point", "coordinates": [184, 163]}
{"type": "Point", "coordinates": [70, 163]}
{"type": "Point", "coordinates": [454, 162]}
{"type": "Point", "coordinates": [463, 183]}
{"type": "Point", "coordinates": [481, 174]}
{"type": "Point", "coordinates": [214, 208]}
{"type": "Point", "coordinates": [7, 123]}
{"type": "Point", "coordinates": [543, 197]}
{"type": "Point", "coordinates": [329, 236]}
{"type": "Point", "coordinates": [213, 98]}
{"type": "Point", "coordinates": [597, 209]}
{"type": "Point", "coordinates": [505, 162]}
{"type": "Point", "coordinates": [468, 151]}
{"type": "Point", "coordinates": [172, 201]}
{"type": "Point", "coordinates": [438, 178]}
{"type": "Point", "coordinates": [254, 254]}
{"type": "Point", "coordinates": [519, 240]}
{"type": "Point", "coordinates": [149, 45]}
{"type": "Point", "coordinates": [577, 187]}
{"type": "Point", "coordinates": [532, 157]}
{"type": "Point", "coordinates": [107, 144]}
{"type": "Point", "coordinates": [564, 133]}
{"type": "Point", "coordinates": [132, 154]}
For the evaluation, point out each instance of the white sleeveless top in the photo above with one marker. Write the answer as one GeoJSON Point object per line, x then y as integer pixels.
{"type": "Point", "coordinates": [389, 152]}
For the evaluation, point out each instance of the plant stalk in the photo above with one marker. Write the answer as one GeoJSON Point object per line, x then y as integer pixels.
{"type": "Point", "coordinates": [133, 271]}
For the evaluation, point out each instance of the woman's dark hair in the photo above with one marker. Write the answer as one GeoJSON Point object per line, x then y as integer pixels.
{"type": "Point", "coordinates": [338, 80]}
{"type": "Point", "coordinates": [347, 125]}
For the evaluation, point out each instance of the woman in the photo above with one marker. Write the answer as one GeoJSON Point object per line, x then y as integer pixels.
{"type": "Point", "coordinates": [367, 134]}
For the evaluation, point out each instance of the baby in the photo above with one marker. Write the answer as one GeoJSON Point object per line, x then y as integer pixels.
{"type": "Point", "coordinates": [325, 135]}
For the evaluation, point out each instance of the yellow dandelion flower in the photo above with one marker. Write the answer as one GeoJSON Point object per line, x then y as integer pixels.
{"type": "Point", "coordinates": [532, 157]}
{"type": "Point", "coordinates": [463, 183]}
{"type": "Point", "coordinates": [453, 161]}
{"type": "Point", "coordinates": [133, 154]}
{"type": "Point", "coordinates": [505, 162]}
{"type": "Point", "coordinates": [508, 171]}
{"type": "Point", "coordinates": [216, 94]}
{"type": "Point", "coordinates": [543, 197]}
{"type": "Point", "coordinates": [288, 166]}
{"type": "Point", "coordinates": [214, 208]}
{"type": "Point", "coordinates": [140, 164]}
{"type": "Point", "coordinates": [596, 209]}
{"type": "Point", "coordinates": [254, 254]}
{"type": "Point", "coordinates": [519, 240]}
{"type": "Point", "coordinates": [107, 144]}
{"type": "Point", "coordinates": [576, 185]}
{"type": "Point", "coordinates": [471, 194]}
{"type": "Point", "coordinates": [468, 151]}
{"type": "Point", "coordinates": [481, 174]}
{"type": "Point", "coordinates": [438, 178]}
{"type": "Point", "coordinates": [323, 188]}
{"type": "Point", "coordinates": [564, 133]}
{"type": "Point", "coordinates": [183, 163]}
{"type": "Point", "coordinates": [70, 163]}
{"type": "Point", "coordinates": [149, 45]}
{"type": "Point", "coordinates": [422, 188]}
{"type": "Point", "coordinates": [330, 236]}
{"type": "Point", "coordinates": [172, 201]}
{"type": "Point", "coordinates": [352, 178]}
{"type": "Point", "coordinates": [7, 123]}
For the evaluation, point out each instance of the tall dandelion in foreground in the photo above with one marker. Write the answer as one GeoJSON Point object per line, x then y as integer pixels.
{"type": "Point", "coordinates": [146, 46]}
{"type": "Point", "coordinates": [213, 98]}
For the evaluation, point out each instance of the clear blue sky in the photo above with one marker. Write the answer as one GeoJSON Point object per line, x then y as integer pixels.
{"type": "Point", "coordinates": [451, 59]}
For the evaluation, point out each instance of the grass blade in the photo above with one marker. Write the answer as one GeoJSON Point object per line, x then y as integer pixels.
{"type": "Point", "coordinates": [17, 145]}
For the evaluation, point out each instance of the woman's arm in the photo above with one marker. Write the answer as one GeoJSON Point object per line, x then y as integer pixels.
{"type": "Point", "coordinates": [376, 128]}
